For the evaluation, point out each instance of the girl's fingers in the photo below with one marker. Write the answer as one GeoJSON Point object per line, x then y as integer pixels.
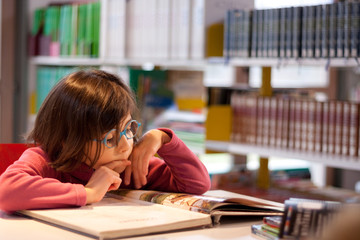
{"type": "Point", "coordinates": [127, 177]}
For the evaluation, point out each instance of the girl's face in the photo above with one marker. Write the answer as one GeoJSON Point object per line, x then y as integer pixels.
{"type": "Point", "coordinates": [120, 152]}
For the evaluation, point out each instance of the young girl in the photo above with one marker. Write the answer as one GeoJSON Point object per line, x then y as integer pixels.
{"type": "Point", "coordinates": [86, 144]}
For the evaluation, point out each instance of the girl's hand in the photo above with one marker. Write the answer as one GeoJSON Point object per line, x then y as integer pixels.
{"type": "Point", "coordinates": [142, 152]}
{"type": "Point", "coordinates": [104, 179]}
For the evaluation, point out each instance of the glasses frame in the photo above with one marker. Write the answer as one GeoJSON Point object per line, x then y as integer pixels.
{"type": "Point", "coordinates": [122, 133]}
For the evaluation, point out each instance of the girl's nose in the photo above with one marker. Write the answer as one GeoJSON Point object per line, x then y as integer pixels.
{"type": "Point", "coordinates": [124, 144]}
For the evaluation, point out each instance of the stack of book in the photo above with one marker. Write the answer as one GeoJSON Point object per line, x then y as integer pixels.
{"type": "Point", "coordinates": [319, 31]}
{"type": "Point", "coordinates": [302, 218]}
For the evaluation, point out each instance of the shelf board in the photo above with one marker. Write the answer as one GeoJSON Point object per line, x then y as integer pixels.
{"type": "Point", "coordinates": [146, 63]}
{"type": "Point", "coordinates": [330, 160]}
{"type": "Point", "coordinates": [278, 62]}
{"type": "Point", "coordinates": [196, 64]}
{"type": "Point", "coordinates": [65, 61]}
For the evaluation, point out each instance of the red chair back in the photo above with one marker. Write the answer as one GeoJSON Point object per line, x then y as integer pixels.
{"type": "Point", "coordinates": [9, 153]}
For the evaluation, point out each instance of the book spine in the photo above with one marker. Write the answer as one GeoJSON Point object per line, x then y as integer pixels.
{"type": "Point", "coordinates": [239, 33]}
{"type": "Point", "coordinates": [332, 127]}
{"type": "Point", "coordinates": [252, 103]}
{"type": "Point", "coordinates": [318, 30]}
{"type": "Point", "coordinates": [333, 30]}
{"type": "Point", "coordinates": [260, 32]}
{"type": "Point", "coordinates": [296, 29]}
{"type": "Point", "coordinates": [318, 126]}
{"type": "Point", "coordinates": [227, 33]}
{"type": "Point", "coordinates": [325, 12]}
{"type": "Point", "coordinates": [354, 129]}
{"type": "Point", "coordinates": [346, 129]}
{"type": "Point", "coordinates": [355, 29]}
{"type": "Point", "coordinates": [234, 136]}
{"type": "Point", "coordinates": [292, 124]}
{"type": "Point", "coordinates": [304, 125]}
{"type": "Point", "coordinates": [232, 38]}
{"type": "Point", "coordinates": [325, 132]}
{"type": "Point", "coordinates": [289, 32]}
{"type": "Point", "coordinates": [347, 26]}
{"type": "Point", "coordinates": [266, 121]}
{"type": "Point", "coordinates": [272, 122]}
{"type": "Point", "coordinates": [282, 44]}
{"type": "Point", "coordinates": [266, 34]}
{"type": "Point", "coordinates": [304, 31]}
{"type": "Point", "coordinates": [276, 33]}
{"type": "Point", "coordinates": [279, 122]}
{"type": "Point", "coordinates": [310, 41]}
{"type": "Point", "coordinates": [340, 29]}
{"type": "Point", "coordinates": [311, 123]}
{"type": "Point", "coordinates": [247, 34]}
{"type": "Point", "coordinates": [338, 127]}
{"type": "Point", "coordinates": [285, 128]}
{"type": "Point", "coordinates": [254, 36]}
{"type": "Point", "coordinates": [298, 124]}
{"type": "Point", "coordinates": [259, 120]}
{"type": "Point", "coordinates": [270, 33]}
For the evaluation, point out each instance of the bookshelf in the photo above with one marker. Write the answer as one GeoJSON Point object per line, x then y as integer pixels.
{"type": "Point", "coordinates": [123, 58]}
{"type": "Point", "coordinates": [351, 163]}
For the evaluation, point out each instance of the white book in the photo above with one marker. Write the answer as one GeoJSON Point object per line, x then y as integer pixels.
{"type": "Point", "coordinates": [163, 28]}
{"type": "Point", "coordinates": [115, 28]}
{"type": "Point", "coordinates": [130, 29]}
{"type": "Point", "coordinates": [127, 213]}
{"type": "Point", "coordinates": [121, 217]}
{"type": "Point", "coordinates": [180, 29]}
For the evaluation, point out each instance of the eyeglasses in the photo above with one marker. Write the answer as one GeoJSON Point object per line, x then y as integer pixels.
{"type": "Point", "coordinates": [110, 140]}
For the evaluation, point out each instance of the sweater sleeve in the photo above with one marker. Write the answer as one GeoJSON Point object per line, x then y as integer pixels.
{"type": "Point", "coordinates": [30, 183]}
{"type": "Point", "coordinates": [179, 170]}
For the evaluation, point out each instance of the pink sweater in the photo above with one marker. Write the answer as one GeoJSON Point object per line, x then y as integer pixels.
{"type": "Point", "coordinates": [30, 183]}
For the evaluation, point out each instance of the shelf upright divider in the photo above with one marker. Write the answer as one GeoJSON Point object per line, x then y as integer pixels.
{"type": "Point", "coordinates": [263, 176]}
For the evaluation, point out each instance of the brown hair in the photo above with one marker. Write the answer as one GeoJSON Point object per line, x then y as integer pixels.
{"type": "Point", "coordinates": [81, 107]}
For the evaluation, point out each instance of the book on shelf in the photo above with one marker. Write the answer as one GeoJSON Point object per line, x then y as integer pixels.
{"type": "Point", "coordinates": [180, 29]}
{"type": "Point", "coordinates": [207, 14]}
{"type": "Point", "coordinates": [292, 122]}
{"type": "Point", "coordinates": [115, 28]}
{"type": "Point", "coordinates": [66, 29]}
{"type": "Point", "coordinates": [125, 213]}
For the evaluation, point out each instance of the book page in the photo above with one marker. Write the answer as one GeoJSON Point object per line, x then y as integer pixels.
{"type": "Point", "coordinates": [245, 200]}
{"type": "Point", "coordinates": [195, 203]}
{"type": "Point", "coordinates": [121, 217]}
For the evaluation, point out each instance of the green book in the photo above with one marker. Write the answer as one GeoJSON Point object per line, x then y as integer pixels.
{"type": "Point", "coordinates": [81, 30]}
{"type": "Point", "coordinates": [89, 29]}
{"type": "Point", "coordinates": [73, 29]}
{"type": "Point", "coordinates": [96, 32]}
{"type": "Point", "coordinates": [38, 21]}
{"type": "Point", "coordinates": [65, 30]}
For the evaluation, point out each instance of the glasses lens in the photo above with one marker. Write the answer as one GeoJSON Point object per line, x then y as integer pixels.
{"type": "Point", "coordinates": [110, 139]}
{"type": "Point", "coordinates": [131, 129]}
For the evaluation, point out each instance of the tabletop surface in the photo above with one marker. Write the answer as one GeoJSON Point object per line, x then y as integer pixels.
{"type": "Point", "coordinates": [18, 228]}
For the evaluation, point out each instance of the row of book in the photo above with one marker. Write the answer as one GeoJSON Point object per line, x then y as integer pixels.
{"type": "Point", "coordinates": [156, 29]}
{"type": "Point", "coordinates": [302, 219]}
{"type": "Point", "coordinates": [295, 123]}
{"type": "Point", "coordinates": [46, 79]}
{"type": "Point", "coordinates": [166, 29]}
{"type": "Point", "coordinates": [319, 31]}
{"type": "Point", "coordinates": [64, 29]}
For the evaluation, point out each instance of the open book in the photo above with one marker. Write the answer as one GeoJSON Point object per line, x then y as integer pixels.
{"type": "Point", "coordinates": [215, 203]}
{"type": "Point", "coordinates": [125, 213]}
